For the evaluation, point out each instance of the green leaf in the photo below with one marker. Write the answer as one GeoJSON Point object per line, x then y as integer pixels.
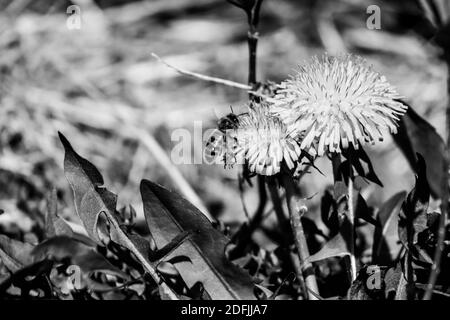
{"type": "Point", "coordinates": [386, 241]}
{"type": "Point", "coordinates": [413, 213]}
{"type": "Point", "coordinates": [92, 200]}
{"type": "Point", "coordinates": [362, 210]}
{"type": "Point", "coordinates": [63, 248]}
{"type": "Point", "coordinates": [329, 212]}
{"type": "Point", "coordinates": [54, 225]}
{"type": "Point", "coordinates": [416, 135]}
{"type": "Point", "coordinates": [360, 163]}
{"type": "Point", "coordinates": [376, 282]}
{"type": "Point", "coordinates": [359, 289]}
{"type": "Point", "coordinates": [338, 246]}
{"type": "Point", "coordinates": [14, 254]}
{"type": "Point", "coordinates": [396, 285]}
{"type": "Point", "coordinates": [168, 215]}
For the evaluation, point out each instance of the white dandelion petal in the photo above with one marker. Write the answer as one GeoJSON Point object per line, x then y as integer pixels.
{"type": "Point", "coordinates": [334, 101]}
{"type": "Point", "coordinates": [264, 141]}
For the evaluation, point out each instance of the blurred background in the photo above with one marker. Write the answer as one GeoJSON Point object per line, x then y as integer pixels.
{"type": "Point", "coordinates": [101, 87]}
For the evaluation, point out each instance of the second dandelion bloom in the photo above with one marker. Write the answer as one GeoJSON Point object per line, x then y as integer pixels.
{"type": "Point", "coordinates": [263, 141]}
{"type": "Point", "coordinates": [334, 101]}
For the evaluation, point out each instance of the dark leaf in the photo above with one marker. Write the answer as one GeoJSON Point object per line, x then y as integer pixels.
{"type": "Point", "coordinates": [251, 7]}
{"type": "Point", "coordinates": [263, 293]}
{"type": "Point", "coordinates": [14, 254]}
{"type": "Point", "coordinates": [369, 284]}
{"type": "Point", "coordinates": [198, 292]}
{"type": "Point", "coordinates": [422, 256]}
{"type": "Point", "coordinates": [416, 135]}
{"type": "Point", "coordinates": [54, 225]}
{"type": "Point", "coordinates": [338, 246]}
{"type": "Point", "coordinates": [30, 276]}
{"type": "Point", "coordinates": [92, 200]}
{"type": "Point", "coordinates": [413, 213]}
{"type": "Point", "coordinates": [334, 207]}
{"type": "Point", "coordinates": [361, 164]}
{"type": "Point", "coordinates": [379, 283]}
{"type": "Point", "coordinates": [61, 248]}
{"type": "Point", "coordinates": [358, 290]}
{"type": "Point", "coordinates": [433, 220]}
{"type": "Point", "coordinates": [386, 241]}
{"type": "Point", "coordinates": [158, 255]}
{"type": "Point", "coordinates": [396, 285]}
{"type": "Point", "coordinates": [329, 213]}
{"type": "Point", "coordinates": [362, 211]}
{"type": "Point", "coordinates": [169, 215]}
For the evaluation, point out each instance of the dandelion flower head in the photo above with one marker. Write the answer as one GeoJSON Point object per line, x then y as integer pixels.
{"type": "Point", "coordinates": [334, 101]}
{"type": "Point", "coordinates": [264, 142]}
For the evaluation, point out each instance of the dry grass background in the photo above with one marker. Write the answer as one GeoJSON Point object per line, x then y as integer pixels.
{"type": "Point", "coordinates": [102, 89]}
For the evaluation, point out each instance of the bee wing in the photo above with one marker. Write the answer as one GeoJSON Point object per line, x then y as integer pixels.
{"type": "Point", "coordinates": [214, 147]}
{"type": "Point", "coordinates": [233, 152]}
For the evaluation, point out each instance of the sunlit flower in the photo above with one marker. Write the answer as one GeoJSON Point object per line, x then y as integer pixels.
{"type": "Point", "coordinates": [263, 141]}
{"type": "Point", "coordinates": [334, 101]}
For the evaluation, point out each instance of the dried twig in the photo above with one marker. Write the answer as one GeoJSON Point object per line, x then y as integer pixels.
{"type": "Point", "coordinates": [199, 76]}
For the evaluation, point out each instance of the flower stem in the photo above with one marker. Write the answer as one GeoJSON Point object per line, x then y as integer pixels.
{"type": "Point", "coordinates": [296, 209]}
{"type": "Point", "coordinates": [252, 38]}
{"type": "Point", "coordinates": [351, 217]}
{"type": "Point", "coordinates": [283, 221]}
{"type": "Point", "coordinates": [435, 269]}
{"type": "Point", "coordinates": [336, 163]}
{"type": "Point", "coordinates": [284, 225]}
{"type": "Point", "coordinates": [244, 235]}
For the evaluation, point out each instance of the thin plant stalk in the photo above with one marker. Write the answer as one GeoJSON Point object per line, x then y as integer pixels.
{"type": "Point", "coordinates": [336, 162]}
{"type": "Point", "coordinates": [252, 39]}
{"type": "Point", "coordinates": [283, 221]}
{"type": "Point", "coordinates": [284, 225]}
{"type": "Point", "coordinates": [244, 235]}
{"type": "Point", "coordinates": [296, 210]}
{"type": "Point", "coordinates": [298, 272]}
{"type": "Point", "coordinates": [435, 268]}
{"type": "Point", "coordinates": [351, 217]}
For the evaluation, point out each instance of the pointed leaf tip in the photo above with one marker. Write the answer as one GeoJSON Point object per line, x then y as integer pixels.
{"type": "Point", "coordinates": [66, 144]}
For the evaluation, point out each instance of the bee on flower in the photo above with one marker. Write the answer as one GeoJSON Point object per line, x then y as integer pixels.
{"type": "Point", "coordinates": [260, 140]}
{"type": "Point", "coordinates": [334, 101]}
